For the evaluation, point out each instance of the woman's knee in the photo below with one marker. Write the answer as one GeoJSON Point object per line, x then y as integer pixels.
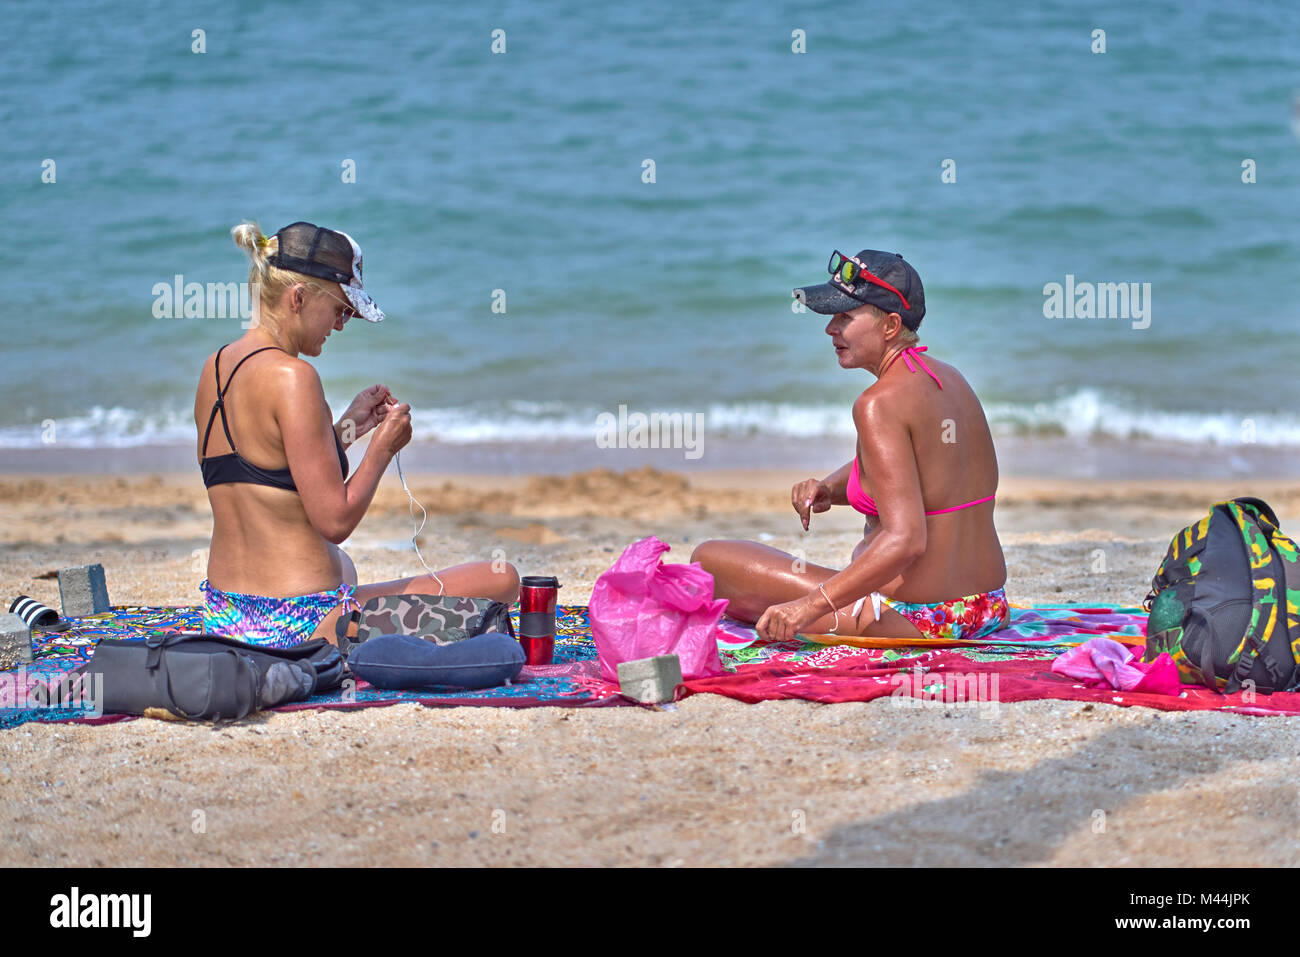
{"type": "Point", "coordinates": [508, 580]}
{"type": "Point", "coordinates": [708, 553]}
{"type": "Point", "coordinates": [498, 580]}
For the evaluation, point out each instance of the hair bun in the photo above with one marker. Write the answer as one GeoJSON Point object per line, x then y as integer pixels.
{"type": "Point", "coordinates": [249, 237]}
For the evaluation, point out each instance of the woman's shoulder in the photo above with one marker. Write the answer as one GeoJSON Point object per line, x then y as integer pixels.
{"type": "Point", "coordinates": [274, 370]}
{"type": "Point", "coordinates": [296, 383]}
{"type": "Point", "coordinates": [946, 371]}
{"type": "Point", "coordinates": [897, 396]}
{"type": "Point", "coordinates": [872, 404]}
{"type": "Point", "coordinates": [263, 356]}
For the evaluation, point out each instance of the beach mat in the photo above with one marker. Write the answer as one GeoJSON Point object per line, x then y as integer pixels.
{"type": "Point", "coordinates": [1013, 664]}
{"type": "Point", "coordinates": [571, 681]}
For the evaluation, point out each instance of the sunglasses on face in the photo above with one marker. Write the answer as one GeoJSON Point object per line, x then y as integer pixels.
{"type": "Point", "coordinates": [349, 311]}
{"type": "Point", "coordinates": [846, 271]}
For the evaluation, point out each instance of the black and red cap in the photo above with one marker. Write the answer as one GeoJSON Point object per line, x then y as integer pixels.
{"type": "Point", "coordinates": [885, 280]}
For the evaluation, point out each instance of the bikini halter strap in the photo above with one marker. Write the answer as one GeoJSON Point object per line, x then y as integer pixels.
{"type": "Point", "coordinates": [908, 354]}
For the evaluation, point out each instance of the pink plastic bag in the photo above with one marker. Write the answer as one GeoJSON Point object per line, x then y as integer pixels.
{"type": "Point", "coordinates": [641, 608]}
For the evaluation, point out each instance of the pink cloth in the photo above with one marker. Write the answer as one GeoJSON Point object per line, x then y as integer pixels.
{"type": "Point", "coordinates": [1105, 663]}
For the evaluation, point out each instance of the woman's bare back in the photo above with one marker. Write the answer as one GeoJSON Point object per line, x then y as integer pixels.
{"type": "Point", "coordinates": [956, 463]}
{"type": "Point", "coordinates": [262, 540]}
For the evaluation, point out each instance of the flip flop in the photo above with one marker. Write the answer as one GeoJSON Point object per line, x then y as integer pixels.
{"type": "Point", "coordinates": [38, 617]}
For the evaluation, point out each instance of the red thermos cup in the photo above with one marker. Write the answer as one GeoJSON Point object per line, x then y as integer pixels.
{"type": "Point", "coordinates": [537, 597]}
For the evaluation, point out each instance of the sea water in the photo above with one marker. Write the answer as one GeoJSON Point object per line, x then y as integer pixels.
{"type": "Point", "coordinates": [611, 209]}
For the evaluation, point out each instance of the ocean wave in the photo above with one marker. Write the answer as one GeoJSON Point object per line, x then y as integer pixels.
{"type": "Point", "coordinates": [1085, 413]}
{"type": "Point", "coordinates": [100, 427]}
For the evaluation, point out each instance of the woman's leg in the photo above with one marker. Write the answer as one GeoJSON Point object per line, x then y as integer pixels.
{"type": "Point", "coordinates": [753, 577]}
{"type": "Point", "coordinates": [498, 581]}
{"type": "Point", "coordinates": [349, 570]}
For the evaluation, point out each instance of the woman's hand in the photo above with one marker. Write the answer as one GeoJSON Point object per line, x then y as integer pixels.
{"type": "Point", "coordinates": [394, 430]}
{"type": "Point", "coordinates": [810, 495]}
{"type": "Point", "coordinates": [783, 622]}
{"type": "Point", "coordinates": [367, 410]}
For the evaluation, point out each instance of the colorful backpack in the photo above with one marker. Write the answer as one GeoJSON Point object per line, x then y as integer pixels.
{"type": "Point", "coordinates": [1220, 604]}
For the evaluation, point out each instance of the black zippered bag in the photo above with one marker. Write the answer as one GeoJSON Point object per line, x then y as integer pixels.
{"type": "Point", "coordinates": [207, 677]}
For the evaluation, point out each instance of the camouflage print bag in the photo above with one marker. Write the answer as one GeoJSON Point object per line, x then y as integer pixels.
{"type": "Point", "coordinates": [1225, 602]}
{"type": "Point", "coordinates": [442, 619]}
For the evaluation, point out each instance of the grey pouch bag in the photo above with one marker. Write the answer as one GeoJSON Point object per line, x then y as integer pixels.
{"type": "Point", "coordinates": [441, 619]}
{"type": "Point", "coordinates": [208, 677]}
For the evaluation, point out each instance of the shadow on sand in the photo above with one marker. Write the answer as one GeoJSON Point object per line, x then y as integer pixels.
{"type": "Point", "coordinates": [1022, 817]}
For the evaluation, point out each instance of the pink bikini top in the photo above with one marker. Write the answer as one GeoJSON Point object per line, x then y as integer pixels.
{"type": "Point", "coordinates": [859, 499]}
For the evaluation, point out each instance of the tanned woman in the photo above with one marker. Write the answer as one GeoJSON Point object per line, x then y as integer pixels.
{"type": "Point", "coordinates": [924, 476]}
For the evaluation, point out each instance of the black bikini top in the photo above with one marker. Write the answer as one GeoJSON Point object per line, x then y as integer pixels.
{"type": "Point", "coordinates": [233, 467]}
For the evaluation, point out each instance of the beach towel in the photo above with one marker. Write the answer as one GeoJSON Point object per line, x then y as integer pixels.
{"type": "Point", "coordinates": [1014, 664]}
{"type": "Point", "coordinates": [571, 681]}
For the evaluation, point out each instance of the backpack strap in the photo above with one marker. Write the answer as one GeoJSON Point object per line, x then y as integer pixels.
{"type": "Point", "coordinates": [1266, 573]}
{"type": "Point", "coordinates": [1259, 505]}
{"type": "Point", "coordinates": [1206, 664]}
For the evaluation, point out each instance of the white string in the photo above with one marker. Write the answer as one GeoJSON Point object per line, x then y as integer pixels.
{"type": "Point", "coordinates": [442, 589]}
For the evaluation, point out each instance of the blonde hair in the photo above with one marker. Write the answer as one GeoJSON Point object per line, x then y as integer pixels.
{"type": "Point", "coordinates": [908, 337]}
{"type": "Point", "coordinates": [271, 280]}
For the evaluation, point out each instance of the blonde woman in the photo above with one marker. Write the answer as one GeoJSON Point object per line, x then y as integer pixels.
{"type": "Point", "coordinates": [277, 470]}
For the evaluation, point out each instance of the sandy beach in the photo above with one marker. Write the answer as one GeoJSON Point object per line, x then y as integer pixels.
{"type": "Point", "coordinates": [714, 782]}
{"type": "Point", "coordinates": [611, 246]}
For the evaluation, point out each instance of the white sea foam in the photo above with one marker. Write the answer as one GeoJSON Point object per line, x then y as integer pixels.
{"type": "Point", "coordinates": [1082, 414]}
{"type": "Point", "coordinates": [1086, 413]}
{"type": "Point", "coordinates": [100, 427]}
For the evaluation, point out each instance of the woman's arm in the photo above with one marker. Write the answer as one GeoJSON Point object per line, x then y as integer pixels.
{"type": "Point", "coordinates": [838, 483]}
{"type": "Point", "coordinates": [900, 540]}
{"type": "Point", "coordinates": [334, 507]}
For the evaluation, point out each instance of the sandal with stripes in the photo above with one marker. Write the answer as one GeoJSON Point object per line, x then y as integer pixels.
{"type": "Point", "coordinates": [38, 617]}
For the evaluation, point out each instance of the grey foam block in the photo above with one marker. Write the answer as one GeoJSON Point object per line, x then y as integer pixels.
{"type": "Point", "coordinates": [650, 680]}
{"type": "Point", "coordinates": [83, 591]}
{"type": "Point", "coordinates": [15, 642]}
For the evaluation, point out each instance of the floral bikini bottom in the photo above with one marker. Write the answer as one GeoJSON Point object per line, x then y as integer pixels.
{"type": "Point", "coordinates": [271, 622]}
{"type": "Point", "coordinates": [973, 616]}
